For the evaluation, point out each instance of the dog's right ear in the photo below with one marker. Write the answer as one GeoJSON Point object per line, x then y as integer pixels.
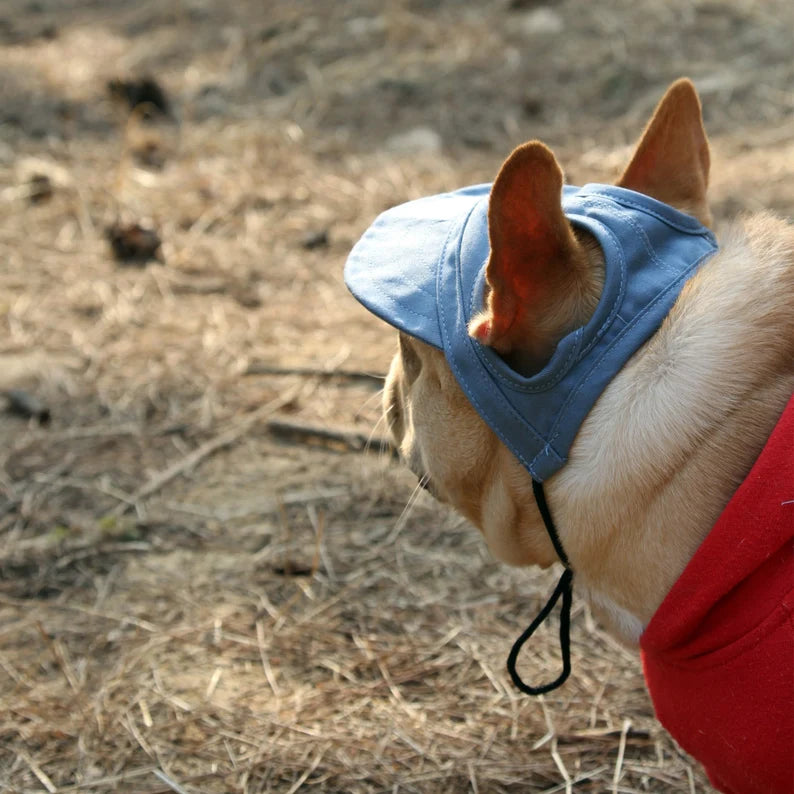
{"type": "Point", "coordinates": [537, 265]}
{"type": "Point", "coordinates": [671, 161]}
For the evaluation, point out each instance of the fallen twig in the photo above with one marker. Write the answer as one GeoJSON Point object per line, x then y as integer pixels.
{"type": "Point", "coordinates": [170, 782]}
{"type": "Point", "coordinates": [260, 368]}
{"type": "Point", "coordinates": [621, 751]}
{"type": "Point", "coordinates": [106, 781]}
{"type": "Point", "coordinates": [38, 772]}
{"type": "Point", "coordinates": [97, 549]}
{"type": "Point", "coordinates": [349, 439]}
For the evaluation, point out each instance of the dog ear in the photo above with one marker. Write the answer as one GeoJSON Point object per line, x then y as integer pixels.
{"type": "Point", "coordinates": [534, 255]}
{"type": "Point", "coordinates": [671, 161]}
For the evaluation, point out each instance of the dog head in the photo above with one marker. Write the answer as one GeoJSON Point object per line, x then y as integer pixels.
{"type": "Point", "coordinates": [544, 280]}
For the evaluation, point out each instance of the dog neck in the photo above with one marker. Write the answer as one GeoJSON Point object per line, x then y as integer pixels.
{"type": "Point", "coordinates": [677, 430]}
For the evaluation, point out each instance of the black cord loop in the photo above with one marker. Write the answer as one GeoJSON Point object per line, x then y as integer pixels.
{"type": "Point", "coordinates": [563, 589]}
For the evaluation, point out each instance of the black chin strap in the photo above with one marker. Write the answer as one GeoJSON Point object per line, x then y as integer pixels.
{"type": "Point", "coordinates": [564, 588]}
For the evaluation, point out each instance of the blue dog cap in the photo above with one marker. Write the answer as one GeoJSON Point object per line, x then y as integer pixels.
{"type": "Point", "coordinates": [393, 270]}
{"type": "Point", "coordinates": [421, 268]}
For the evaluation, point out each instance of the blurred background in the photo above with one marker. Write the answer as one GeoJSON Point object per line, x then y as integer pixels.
{"type": "Point", "coordinates": [209, 580]}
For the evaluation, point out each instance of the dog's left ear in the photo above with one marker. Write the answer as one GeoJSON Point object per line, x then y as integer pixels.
{"type": "Point", "coordinates": [671, 161]}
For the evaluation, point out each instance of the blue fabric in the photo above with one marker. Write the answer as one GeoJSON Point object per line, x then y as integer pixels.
{"type": "Point", "coordinates": [421, 268]}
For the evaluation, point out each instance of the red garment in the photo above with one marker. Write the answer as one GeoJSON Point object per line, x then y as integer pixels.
{"type": "Point", "coordinates": [718, 654]}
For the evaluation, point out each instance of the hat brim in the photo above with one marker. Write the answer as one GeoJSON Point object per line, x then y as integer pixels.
{"type": "Point", "coordinates": [393, 270]}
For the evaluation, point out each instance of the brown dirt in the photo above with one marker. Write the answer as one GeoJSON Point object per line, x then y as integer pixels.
{"type": "Point", "coordinates": [190, 601]}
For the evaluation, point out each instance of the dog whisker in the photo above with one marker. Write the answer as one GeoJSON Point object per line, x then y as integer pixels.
{"type": "Point", "coordinates": [378, 395]}
{"type": "Point", "coordinates": [402, 519]}
{"type": "Point", "coordinates": [382, 451]}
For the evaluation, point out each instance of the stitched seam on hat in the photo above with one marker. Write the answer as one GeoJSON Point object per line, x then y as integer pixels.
{"type": "Point", "coordinates": [514, 385]}
{"type": "Point", "coordinates": [641, 233]}
{"type": "Point", "coordinates": [400, 306]}
{"type": "Point", "coordinates": [406, 278]}
{"type": "Point", "coordinates": [529, 389]}
{"type": "Point", "coordinates": [648, 246]}
{"type": "Point", "coordinates": [418, 286]}
{"type": "Point", "coordinates": [695, 228]}
{"type": "Point", "coordinates": [621, 296]}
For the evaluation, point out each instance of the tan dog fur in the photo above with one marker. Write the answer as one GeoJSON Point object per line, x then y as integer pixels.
{"type": "Point", "coordinates": [674, 433]}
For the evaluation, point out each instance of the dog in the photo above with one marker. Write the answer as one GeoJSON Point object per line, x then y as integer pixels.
{"type": "Point", "coordinates": [592, 375]}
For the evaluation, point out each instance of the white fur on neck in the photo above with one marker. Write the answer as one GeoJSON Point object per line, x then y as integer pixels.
{"type": "Point", "coordinates": [621, 623]}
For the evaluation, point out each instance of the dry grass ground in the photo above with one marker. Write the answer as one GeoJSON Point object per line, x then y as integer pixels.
{"type": "Point", "coordinates": [192, 599]}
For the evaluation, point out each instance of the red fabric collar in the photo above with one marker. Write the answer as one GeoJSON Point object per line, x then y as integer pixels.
{"type": "Point", "coordinates": [718, 655]}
